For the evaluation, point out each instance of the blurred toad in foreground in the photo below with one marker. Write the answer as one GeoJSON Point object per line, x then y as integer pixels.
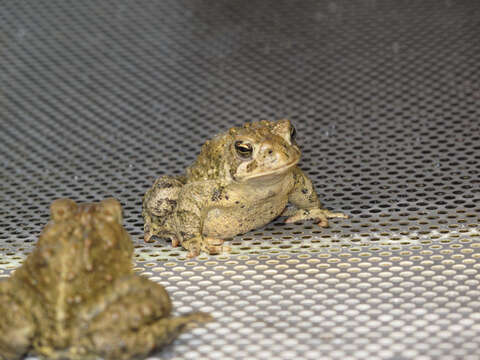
{"type": "Point", "coordinates": [76, 297]}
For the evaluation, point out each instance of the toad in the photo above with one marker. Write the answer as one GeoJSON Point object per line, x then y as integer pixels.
{"type": "Point", "coordinates": [241, 180]}
{"type": "Point", "coordinates": [76, 296]}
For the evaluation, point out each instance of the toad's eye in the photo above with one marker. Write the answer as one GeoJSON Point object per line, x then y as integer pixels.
{"type": "Point", "coordinates": [244, 150]}
{"type": "Point", "coordinates": [293, 133]}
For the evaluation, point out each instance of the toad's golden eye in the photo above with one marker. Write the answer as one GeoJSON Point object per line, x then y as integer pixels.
{"type": "Point", "coordinates": [244, 150]}
{"type": "Point", "coordinates": [293, 133]}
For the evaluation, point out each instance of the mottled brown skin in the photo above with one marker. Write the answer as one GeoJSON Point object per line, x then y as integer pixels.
{"type": "Point", "coordinates": [76, 296]}
{"type": "Point", "coordinates": [242, 179]}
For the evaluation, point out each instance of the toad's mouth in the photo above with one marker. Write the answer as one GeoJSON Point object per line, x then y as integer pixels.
{"type": "Point", "coordinates": [272, 172]}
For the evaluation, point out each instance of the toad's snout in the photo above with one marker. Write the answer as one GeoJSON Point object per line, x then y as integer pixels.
{"type": "Point", "coordinates": [269, 154]}
{"type": "Point", "coordinates": [275, 155]}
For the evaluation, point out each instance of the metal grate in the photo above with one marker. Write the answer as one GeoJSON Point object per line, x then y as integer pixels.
{"type": "Point", "coordinates": [98, 98]}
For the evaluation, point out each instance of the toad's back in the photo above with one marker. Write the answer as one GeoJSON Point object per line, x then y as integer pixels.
{"type": "Point", "coordinates": [83, 249]}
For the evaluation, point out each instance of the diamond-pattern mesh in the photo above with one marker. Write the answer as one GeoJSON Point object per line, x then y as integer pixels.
{"type": "Point", "coordinates": [98, 98]}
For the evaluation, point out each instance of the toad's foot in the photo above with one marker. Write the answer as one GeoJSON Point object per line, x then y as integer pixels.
{"type": "Point", "coordinates": [148, 237]}
{"type": "Point", "coordinates": [289, 211]}
{"type": "Point", "coordinates": [140, 342]}
{"type": "Point", "coordinates": [206, 244]}
{"type": "Point", "coordinates": [320, 216]}
{"type": "Point", "coordinates": [175, 242]}
{"type": "Point", "coordinates": [148, 232]}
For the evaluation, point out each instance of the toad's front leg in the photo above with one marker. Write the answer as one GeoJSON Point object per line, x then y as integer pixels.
{"type": "Point", "coordinates": [305, 199]}
{"type": "Point", "coordinates": [320, 216]}
{"type": "Point", "coordinates": [194, 203]}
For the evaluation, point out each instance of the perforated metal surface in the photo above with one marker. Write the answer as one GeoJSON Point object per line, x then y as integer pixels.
{"type": "Point", "coordinates": [99, 98]}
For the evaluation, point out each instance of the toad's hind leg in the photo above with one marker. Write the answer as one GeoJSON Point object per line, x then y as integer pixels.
{"type": "Point", "coordinates": [159, 203]}
{"type": "Point", "coordinates": [132, 319]}
{"type": "Point", "coordinates": [17, 326]}
{"type": "Point", "coordinates": [149, 338]}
